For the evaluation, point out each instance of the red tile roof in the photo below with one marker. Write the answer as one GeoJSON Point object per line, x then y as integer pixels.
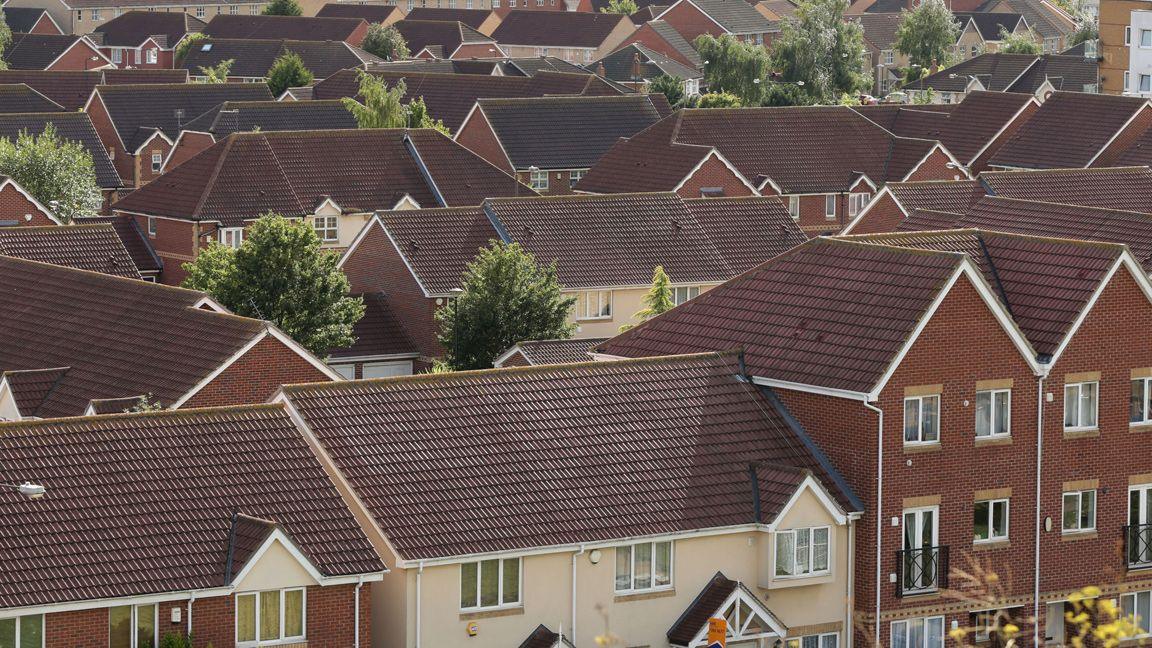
{"type": "Point", "coordinates": [70, 89]}
{"type": "Point", "coordinates": [134, 28]}
{"type": "Point", "coordinates": [94, 247]}
{"type": "Point", "coordinates": [263, 27]}
{"type": "Point", "coordinates": [445, 34]}
{"type": "Point", "coordinates": [949, 196]}
{"type": "Point", "coordinates": [71, 126]}
{"type": "Point", "coordinates": [20, 98]}
{"type": "Point", "coordinates": [134, 240]}
{"type": "Point", "coordinates": [1125, 188]}
{"type": "Point", "coordinates": [370, 13]}
{"type": "Point", "coordinates": [548, 352]}
{"type": "Point", "coordinates": [557, 28]}
{"type": "Point", "coordinates": [379, 332]}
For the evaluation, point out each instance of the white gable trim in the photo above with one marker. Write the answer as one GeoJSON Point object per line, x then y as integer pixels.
{"type": "Point", "coordinates": [740, 595]}
{"type": "Point", "coordinates": [176, 145]}
{"type": "Point", "coordinates": [863, 178]}
{"type": "Point", "coordinates": [1123, 128]}
{"type": "Point", "coordinates": [156, 133]}
{"type": "Point", "coordinates": [95, 96]}
{"type": "Point", "coordinates": [804, 387]}
{"type": "Point", "coordinates": [959, 167]}
{"type": "Point", "coordinates": [364, 233]}
{"type": "Point", "coordinates": [491, 129]}
{"type": "Point", "coordinates": [408, 200]}
{"type": "Point", "coordinates": [359, 237]}
{"type": "Point", "coordinates": [499, 361]}
{"type": "Point", "coordinates": [884, 191]}
{"type": "Point", "coordinates": [715, 153]}
{"type": "Point", "coordinates": [810, 484]}
{"type": "Point", "coordinates": [328, 201]}
{"type": "Point", "coordinates": [6, 392]}
{"type": "Point", "coordinates": [48, 15]}
{"type": "Point", "coordinates": [287, 341]}
{"type": "Point", "coordinates": [277, 535]}
{"type": "Point", "coordinates": [32, 199]}
{"type": "Point", "coordinates": [95, 50]}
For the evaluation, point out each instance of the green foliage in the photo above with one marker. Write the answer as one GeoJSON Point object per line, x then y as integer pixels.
{"type": "Point", "coordinates": [1025, 43]}
{"type": "Point", "coordinates": [147, 403]}
{"type": "Point", "coordinates": [217, 73]}
{"type": "Point", "coordinates": [623, 7]}
{"type": "Point", "coordinates": [175, 640]}
{"type": "Point", "coordinates": [186, 45]}
{"type": "Point", "coordinates": [283, 8]}
{"type": "Point", "coordinates": [824, 51]}
{"type": "Point", "coordinates": [385, 42]}
{"type": "Point", "coordinates": [734, 67]}
{"type": "Point", "coordinates": [507, 297]}
{"type": "Point", "coordinates": [281, 274]}
{"type": "Point", "coordinates": [5, 39]}
{"type": "Point", "coordinates": [418, 117]}
{"type": "Point", "coordinates": [718, 100]}
{"type": "Point", "coordinates": [57, 172]}
{"type": "Point", "coordinates": [657, 300]}
{"type": "Point", "coordinates": [1086, 30]}
{"type": "Point", "coordinates": [924, 97]}
{"type": "Point", "coordinates": [287, 71]}
{"type": "Point", "coordinates": [383, 107]}
{"type": "Point", "coordinates": [669, 86]}
{"type": "Point", "coordinates": [927, 33]}
{"type": "Point", "coordinates": [785, 94]}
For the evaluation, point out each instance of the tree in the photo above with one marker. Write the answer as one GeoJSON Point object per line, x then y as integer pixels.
{"type": "Point", "coordinates": [785, 94]}
{"type": "Point", "coordinates": [507, 297]}
{"type": "Point", "coordinates": [927, 33]}
{"type": "Point", "coordinates": [718, 100]}
{"type": "Point", "coordinates": [283, 8]}
{"type": "Point", "coordinates": [383, 107]}
{"type": "Point", "coordinates": [820, 48]}
{"type": "Point", "coordinates": [734, 67]}
{"type": "Point", "coordinates": [385, 42]}
{"type": "Point", "coordinates": [281, 274]}
{"type": "Point", "coordinates": [187, 44]}
{"type": "Point", "coordinates": [217, 73]}
{"type": "Point", "coordinates": [924, 97]}
{"type": "Point", "coordinates": [1086, 30]}
{"type": "Point", "coordinates": [657, 300]}
{"type": "Point", "coordinates": [5, 39]}
{"type": "Point", "coordinates": [287, 71]}
{"type": "Point", "coordinates": [419, 117]}
{"type": "Point", "coordinates": [1014, 43]}
{"type": "Point", "coordinates": [669, 86]}
{"type": "Point", "coordinates": [57, 172]}
{"type": "Point", "coordinates": [623, 7]}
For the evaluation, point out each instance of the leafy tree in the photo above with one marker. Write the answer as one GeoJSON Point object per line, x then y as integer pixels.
{"type": "Point", "coordinates": [507, 297]}
{"type": "Point", "coordinates": [1086, 30]}
{"type": "Point", "coordinates": [146, 403]}
{"type": "Point", "coordinates": [924, 97]}
{"type": "Point", "coordinates": [287, 71]}
{"type": "Point", "coordinates": [217, 73]}
{"type": "Point", "coordinates": [718, 100]}
{"type": "Point", "coordinates": [785, 94]}
{"type": "Point", "coordinates": [57, 172]}
{"type": "Point", "coordinates": [385, 42]}
{"type": "Point", "coordinates": [657, 300]}
{"type": "Point", "coordinates": [820, 48]}
{"type": "Point", "coordinates": [281, 274]}
{"type": "Point", "coordinates": [418, 117]}
{"type": "Point", "coordinates": [1014, 43]}
{"type": "Point", "coordinates": [734, 67]}
{"type": "Point", "coordinates": [927, 33]}
{"type": "Point", "coordinates": [5, 39]}
{"type": "Point", "coordinates": [186, 45]}
{"type": "Point", "coordinates": [383, 107]}
{"type": "Point", "coordinates": [283, 8]}
{"type": "Point", "coordinates": [669, 86]}
{"type": "Point", "coordinates": [624, 7]}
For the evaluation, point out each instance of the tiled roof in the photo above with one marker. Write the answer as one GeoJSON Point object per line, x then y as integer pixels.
{"type": "Point", "coordinates": [677, 42]}
{"type": "Point", "coordinates": [535, 65]}
{"type": "Point", "coordinates": [1047, 19]}
{"type": "Point", "coordinates": [557, 28]}
{"type": "Point", "coordinates": [120, 337]}
{"type": "Point", "coordinates": [70, 89]}
{"type": "Point", "coordinates": [565, 132]}
{"type": "Point", "coordinates": [133, 28]}
{"type": "Point", "coordinates": [23, 19]}
{"type": "Point", "coordinates": [548, 352]}
{"type": "Point", "coordinates": [108, 527]}
{"type": "Point", "coordinates": [239, 116]}
{"type": "Point", "coordinates": [829, 313]}
{"type": "Point", "coordinates": [138, 111]}
{"type": "Point", "coordinates": [746, 231]}
{"type": "Point", "coordinates": [533, 444]}
{"type": "Point", "coordinates": [441, 66]}
{"type": "Point", "coordinates": [73, 126]}
{"type": "Point", "coordinates": [282, 27]}
{"type": "Point", "coordinates": [1125, 188]}
{"type": "Point", "coordinates": [370, 13]}
{"type": "Point", "coordinates": [36, 51]}
{"type": "Point", "coordinates": [990, 24]}
{"type": "Point", "coordinates": [94, 247]}
{"type": "Point", "coordinates": [652, 160]}
{"type": "Point", "coordinates": [361, 170]}
{"type": "Point", "coordinates": [879, 28]}
{"type": "Point", "coordinates": [143, 76]}
{"type": "Point", "coordinates": [904, 119]}
{"type": "Point", "coordinates": [449, 35]}
{"type": "Point", "coordinates": [947, 196]}
{"type": "Point", "coordinates": [1069, 130]}
{"type": "Point", "coordinates": [134, 240]}
{"type": "Point", "coordinates": [253, 57]}
{"type": "Point", "coordinates": [623, 64]}
{"type": "Point", "coordinates": [19, 98]}
{"type": "Point", "coordinates": [1025, 73]}
{"type": "Point", "coordinates": [734, 16]}
{"type": "Point", "coordinates": [474, 18]}
{"type": "Point", "coordinates": [450, 97]}
{"type": "Point", "coordinates": [379, 331]}
{"type": "Point", "coordinates": [1069, 73]}
{"type": "Point", "coordinates": [1138, 152]}
{"type": "Point", "coordinates": [706, 603]}
{"type": "Point", "coordinates": [542, 637]}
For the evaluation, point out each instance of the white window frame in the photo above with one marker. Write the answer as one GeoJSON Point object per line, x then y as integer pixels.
{"type": "Point", "coordinates": [811, 571]}
{"type": "Point", "coordinates": [117, 55]}
{"type": "Point", "coordinates": [1144, 83]}
{"type": "Point", "coordinates": [152, 226]}
{"type": "Point", "coordinates": [1145, 402]}
{"type": "Point", "coordinates": [857, 202]}
{"type": "Point", "coordinates": [322, 225]}
{"type": "Point", "coordinates": [500, 604]}
{"type": "Point", "coordinates": [992, 537]}
{"type": "Point", "coordinates": [576, 175]}
{"type": "Point", "coordinates": [151, 56]}
{"type": "Point", "coordinates": [18, 619]}
{"type": "Point", "coordinates": [135, 620]}
{"type": "Point", "coordinates": [1145, 39]}
{"type": "Point", "coordinates": [582, 311]}
{"type": "Point", "coordinates": [1129, 604]}
{"type": "Point", "coordinates": [1079, 387]}
{"type": "Point", "coordinates": [136, 56]}
{"type": "Point", "coordinates": [95, 15]}
{"type": "Point", "coordinates": [1079, 496]}
{"type": "Point", "coordinates": [1128, 35]}
{"type": "Point", "coordinates": [993, 412]}
{"type": "Point", "coordinates": [200, 12]}
{"type": "Point", "coordinates": [904, 626]}
{"type": "Point", "coordinates": [920, 440]}
{"type": "Point", "coordinates": [280, 632]}
{"type": "Point", "coordinates": [157, 161]}
{"type": "Point", "coordinates": [538, 179]}
{"type": "Point", "coordinates": [794, 207]}
{"type": "Point", "coordinates": [822, 640]}
{"type": "Point", "coordinates": [681, 294]}
{"type": "Point", "coordinates": [631, 548]}
{"type": "Point", "coordinates": [233, 237]}
{"type": "Point", "coordinates": [830, 201]}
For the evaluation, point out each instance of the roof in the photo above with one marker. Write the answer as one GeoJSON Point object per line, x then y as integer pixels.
{"type": "Point", "coordinates": [94, 247]}
{"type": "Point", "coordinates": [68, 88]}
{"type": "Point", "coordinates": [74, 544]}
{"type": "Point", "coordinates": [73, 126]}
{"type": "Point", "coordinates": [253, 58]}
{"type": "Point", "coordinates": [1014, 73]}
{"type": "Point", "coordinates": [474, 18]}
{"type": "Point", "coordinates": [557, 28]}
{"type": "Point", "coordinates": [263, 27]}
{"type": "Point", "coordinates": [532, 443]}
{"type": "Point", "coordinates": [565, 132]}
{"type": "Point", "coordinates": [990, 24]}
{"type": "Point", "coordinates": [734, 16]}
{"type": "Point", "coordinates": [1138, 152]}
{"type": "Point", "coordinates": [133, 239]}
{"type": "Point", "coordinates": [1045, 17]}
{"type": "Point", "coordinates": [142, 76]}
{"type": "Point", "coordinates": [746, 230]}
{"type": "Point", "coordinates": [133, 28]}
{"type": "Point", "coordinates": [623, 64]}
{"type": "Point", "coordinates": [22, 19]}
{"type": "Point", "coordinates": [138, 111]}
{"type": "Point", "coordinates": [879, 28]}
{"type": "Point", "coordinates": [450, 97]}
{"type": "Point", "coordinates": [829, 313]}
{"type": "Point", "coordinates": [949, 196]}
{"type": "Point", "coordinates": [1124, 188]}
{"type": "Point", "coordinates": [19, 98]}
{"type": "Point", "coordinates": [548, 352]}
{"type": "Point", "coordinates": [706, 603]}
{"type": "Point", "coordinates": [372, 13]}
{"type": "Point", "coordinates": [677, 42]}
{"type": "Point", "coordinates": [238, 116]}
{"type": "Point", "coordinates": [37, 51]}
{"type": "Point", "coordinates": [290, 172]}
{"type": "Point", "coordinates": [449, 35]}
{"type": "Point", "coordinates": [379, 332]}
{"type": "Point", "coordinates": [542, 637]}
{"type": "Point", "coordinates": [1070, 129]}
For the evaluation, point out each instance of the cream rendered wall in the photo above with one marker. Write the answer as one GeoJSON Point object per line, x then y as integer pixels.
{"type": "Point", "coordinates": [349, 224]}
{"type": "Point", "coordinates": [626, 302]}
{"type": "Point", "coordinates": [9, 411]}
{"type": "Point", "coordinates": [276, 569]}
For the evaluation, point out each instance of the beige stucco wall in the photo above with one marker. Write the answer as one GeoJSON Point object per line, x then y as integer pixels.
{"type": "Point", "coordinates": [67, 18]}
{"type": "Point", "coordinates": [276, 569]}
{"type": "Point", "coordinates": [626, 302]}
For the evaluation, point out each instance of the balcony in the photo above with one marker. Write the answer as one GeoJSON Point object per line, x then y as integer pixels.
{"type": "Point", "coordinates": [921, 571]}
{"type": "Point", "coordinates": [1138, 545]}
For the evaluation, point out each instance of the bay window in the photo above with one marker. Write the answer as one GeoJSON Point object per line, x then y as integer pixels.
{"type": "Point", "coordinates": [802, 552]}
{"type": "Point", "coordinates": [490, 583]}
{"type": "Point", "coordinates": [269, 617]}
{"type": "Point", "coordinates": [644, 567]}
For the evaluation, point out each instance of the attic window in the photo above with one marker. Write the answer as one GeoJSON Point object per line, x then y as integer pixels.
{"type": "Point", "coordinates": [711, 192]}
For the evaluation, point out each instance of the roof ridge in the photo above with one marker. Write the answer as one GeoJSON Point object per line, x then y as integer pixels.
{"type": "Point", "coordinates": [164, 413]}
{"type": "Point", "coordinates": [1048, 202]}
{"type": "Point", "coordinates": [103, 275]}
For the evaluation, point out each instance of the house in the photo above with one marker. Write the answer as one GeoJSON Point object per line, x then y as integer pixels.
{"type": "Point", "coordinates": [548, 352]}
{"type": "Point", "coordinates": [252, 59]}
{"type": "Point", "coordinates": [134, 240]}
{"type": "Point", "coordinates": [661, 37]}
{"type": "Point", "coordinates": [95, 247]}
{"type": "Point", "coordinates": [694, 18]}
{"type": "Point", "coordinates": [845, 159]}
{"type": "Point", "coordinates": [1051, 23]}
{"type": "Point", "coordinates": [336, 179]}
{"type": "Point", "coordinates": [879, 31]}
{"type": "Point", "coordinates": [145, 39]}
{"type": "Point", "coordinates": [1037, 75]}
{"type": "Point", "coordinates": [576, 37]}
{"type": "Point", "coordinates": [260, 27]}
{"type": "Point", "coordinates": [71, 89]}
{"type": "Point", "coordinates": [738, 488]}
{"type": "Point", "coordinates": [513, 67]}
{"type": "Point", "coordinates": [551, 142]}
{"type": "Point", "coordinates": [30, 20]}
{"type": "Point", "coordinates": [605, 249]}
{"type": "Point", "coordinates": [636, 66]}
{"type": "Point", "coordinates": [84, 16]}
{"type": "Point", "coordinates": [484, 21]}
{"type": "Point", "coordinates": [139, 124]}
{"type": "Point", "coordinates": [74, 127]}
{"type": "Point", "coordinates": [450, 97]}
{"type": "Point", "coordinates": [984, 31]}
{"type": "Point", "coordinates": [370, 13]}
{"type": "Point", "coordinates": [20, 208]}
{"type": "Point", "coordinates": [259, 525]}
{"type": "Point", "coordinates": [19, 98]}
{"type": "Point", "coordinates": [938, 351]}
{"type": "Point", "coordinates": [505, 7]}
{"type": "Point", "coordinates": [442, 39]}
{"type": "Point", "coordinates": [1119, 44]}
{"type": "Point", "coordinates": [53, 52]}
{"type": "Point", "coordinates": [383, 346]}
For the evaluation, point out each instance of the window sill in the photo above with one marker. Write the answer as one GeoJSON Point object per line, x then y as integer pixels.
{"type": "Point", "coordinates": [493, 613]}
{"type": "Point", "coordinates": [801, 577]}
{"type": "Point", "coordinates": [1140, 427]}
{"type": "Point", "coordinates": [1081, 433]}
{"type": "Point", "coordinates": [998, 440]}
{"type": "Point", "coordinates": [916, 448]}
{"type": "Point", "coordinates": [991, 545]}
{"type": "Point", "coordinates": [1073, 536]}
{"type": "Point", "coordinates": [595, 319]}
{"type": "Point", "coordinates": [644, 596]}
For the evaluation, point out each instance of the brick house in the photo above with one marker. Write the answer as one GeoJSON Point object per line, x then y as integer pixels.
{"type": "Point", "coordinates": [636, 66]}
{"type": "Point", "coordinates": [307, 28]}
{"type": "Point", "coordinates": [71, 89]}
{"type": "Point", "coordinates": [576, 37]}
{"type": "Point", "coordinates": [1038, 75]}
{"type": "Point", "coordinates": [484, 21]}
{"type": "Point", "coordinates": [551, 142]}
{"type": "Point", "coordinates": [443, 39]}
{"type": "Point", "coordinates": [145, 39]}
{"type": "Point", "coordinates": [84, 16]}
{"type": "Point", "coordinates": [30, 20]}
{"type": "Point", "coordinates": [253, 58]}
{"type": "Point", "coordinates": [694, 18]}
{"type": "Point", "coordinates": [335, 179]}
{"type": "Point", "coordinates": [20, 208]}
{"type": "Point", "coordinates": [105, 559]}
{"type": "Point", "coordinates": [95, 247]}
{"type": "Point", "coordinates": [70, 126]}
{"type": "Point", "coordinates": [21, 98]}
{"type": "Point", "coordinates": [661, 37]}
{"type": "Point", "coordinates": [54, 52]}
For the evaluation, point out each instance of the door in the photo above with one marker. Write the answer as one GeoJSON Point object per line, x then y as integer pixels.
{"type": "Point", "coordinates": [1139, 536]}
{"type": "Point", "coordinates": [920, 551]}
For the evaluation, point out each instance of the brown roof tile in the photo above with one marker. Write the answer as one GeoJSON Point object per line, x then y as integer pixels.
{"type": "Point", "coordinates": [20, 98]}
{"type": "Point", "coordinates": [72, 126]}
{"type": "Point", "coordinates": [68, 88]}
{"type": "Point", "coordinates": [557, 28]}
{"type": "Point", "coordinates": [143, 76]}
{"type": "Point", "coordinates": [133, 239]}
{"type": "Point", "coordinates": [950, 196]}
{"type": "Point", "coordinates": [448, 35]}
{"type": "Point", "coordinates": [474, 18]}
{"type": "Point", "coordinates": [1125, 188]}
{"type": "Point", "coordinates": [547, 352]}
{"type": "Point", "coordinates": [254, 57]}
{"type": "Point", "coordinates": [94, 247]}
{"type": "Point", "coordinates": [134, 28]}
{"type": "Point", "coordinates": [379, 332]}
{"type": "Point", "coordinates": [262, 27]}
{"type": "Point", "coordinates": [38, 51]}
{"type": "Point", "coordinates": [372, 13]}
{"type": "Point", "coordinates": [706, 603]}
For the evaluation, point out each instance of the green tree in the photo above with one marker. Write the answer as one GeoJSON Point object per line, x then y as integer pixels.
{"type": "Point", "coordinates": [657, 300]}
{"type": "Point", "coordinates": [281, 274]}
{"type": "Point", "coordinates": [283, 8]}
{"type": "Point", "coordinates": [927, 33]}
{"type": "Point", "coordinates": [718, 100]}
{"type": "Point", "coordinates": [623, 7]}
{"type": "Point", "coordinates": [57, 172]}
{"type": "Point", "coordinates": [217, 73]}
{"type": "Point", "coordinates": [1086, 30]}
{"type": "Point", "coordinates": [820, 48]}
{"type": "Point", "coordinates": [1025, 43]}
{"type": "Point", "coordinates": [288, 71]}
{"type": "Point", "coordinates": [785, 94]}
{"type": "Point", "coordinates": [385, 42]}
{"type": "Point", "coordinates": [5, 40]}
{"type": "Point", "coordinates": [418, 117]}
{"type": "Point", "coordinates": [382, 107]}
{"type": "Point", "coordinates": [734, 67]}
{"type": "Point", "coordinates": [186, 45]}
{"type": "Point", "coordinates": [924, 97]}
{"type": "Point", "coordinates": [507, 297]}
{"type": "Point", "coordinates": [669, 86]}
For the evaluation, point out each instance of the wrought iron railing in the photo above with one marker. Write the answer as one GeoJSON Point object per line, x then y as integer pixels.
{"type": "Point", "coordinates": [1138, 545]}
{"type": "Point", "coordinates": [921, 570]}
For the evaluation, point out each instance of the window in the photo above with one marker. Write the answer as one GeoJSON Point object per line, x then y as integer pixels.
{"type": "Point", "coordinates": [802, 552]}
{"type": "Point", "coordinates": [233, 9]}
{"type": "Point", "coordinates": [157, 161]}
{"type": "Point", "coordinates": [576, 176]}
{"type": "Point", "coordinates": [1080, 405]}
{"type": "Point", "coordinates": [539, 180]}
{"type": "Point", "coordinates": [857, 202]}
{"type": "Point", "coordinates": [271, 616]}
{"type": "Point", "coordinates": [253, 10]}
{"type": "Point", "coordinates": [95, 15]}
{"type": "Point", "coordinates": [151, 226]}
{"type": "Point", "coordinates": [830, 206]}
{"type": "Point", "coordinates": [986, 622]}
{"type": "Point", "coordinates": [22, 632]}
{"type": "Point", "coordinates": [1127, 35]}
{"type": "Point", "coordinates": [1145, 83]}
{"type": "Point", "coordinates": [1138, 607]}
{"type": "Point", "coordinates": [990, 522]}
{"type": "Point", "coordinates": [888, 57]}
{"type": "Point", "coordinates": [918, 633]}
{"type": "Point", "coordinates": [794, 207]}
{"type": "Point", "coordinates": [490, 583]}
{"type": "Point", "coordinates": [1146, 38]}
{"type": "Point", "coordinates": [829, 640]}
{"type": "Point", "coordinates": [594, 304]}
{"type": "Point", "coordinates": [327, 227]}
{"type": "Point", "coordinates": [993, 413]}
{"type": "Point", "coordinates": [974, 51]}
{"type": "Point", "coordinates": [233, 237]}
{"type": "Point", "coordinates": [644, 566]}
{"type": "Point", "coordinates": [152, 56]}
{"type": "Point", "coordinates": [117, 55]}
{"type": "Point", "coordinates": [79, 16]}
{"type": "Point", "coordinates": [199, 12]}
{"type": "Point", "coordinates": [136, 57]}
{"type": "Point", "coordinates": [1079, 511]}
{"type": "Point", "coordinates": [1127, 81]}
{"type": "Point", "coordinates": [132, 626]}
{"type": "Point", "coordinates": [922, 419]}
{"type": "Point", "coordinates": [681, 294]}
{"type": "Point", "coordinates": [1140, 403]}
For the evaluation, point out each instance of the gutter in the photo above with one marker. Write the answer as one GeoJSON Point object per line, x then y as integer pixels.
{"type": "Point", "coordinates": [419, 578]}
{"type": "Point", "coordinates": [572, 628]}
{"type": "Point", "coordinates": [1039, 523]}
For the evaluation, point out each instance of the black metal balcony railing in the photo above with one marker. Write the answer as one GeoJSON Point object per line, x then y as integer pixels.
{"type": "Point", "coordinates": [921, 570]}
{"type": "Point", "coordinates": [1138, 545]}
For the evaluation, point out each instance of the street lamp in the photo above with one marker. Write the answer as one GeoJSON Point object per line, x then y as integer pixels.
{"type": "Point", "coordinates": [28, 489]}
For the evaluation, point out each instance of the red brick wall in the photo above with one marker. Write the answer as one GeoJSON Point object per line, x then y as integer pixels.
{"type": "Point", "coordinates": [516, 360]}
{"type": "Point", "coordinates": [884, 215]}
{"type": "Point", "coordinates": [45, 26]}
{"type": "Point", "coordinates": [935, 167]}
{"type": "Point", "coordinates": [559, 181]}
{"type": "Point", "coordinates": [256, 375]}
{"type": "Point", "coordinates": [78, 58]}
{"type": "Point", "coordinates": [690, 22]}
{"type": "Point", "coordinates": [14, 206]}
{"type": "Point", "coordinates": [1126, 137]}
{"type": "Point", "coordinates": [174, 243]}
{"type": "Point", "coordinates": [357, 35]}
{"type": "Point", "coordinates": [981, 162]}
{"type": "Point", "coordinates": [714, 173]}
{"type": "Point", "coordinates": [187, 147]}
{"type": "Point", "coordinates": [476, 135]}
{"type": "Point", "coordinates": [144, 160]}
{"type": "Point", "coordinates": [648, 37]}
{"type": "Point", "coordinates": [102, 122]}
{"type": "Point", "coordinates": [477, 50]}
